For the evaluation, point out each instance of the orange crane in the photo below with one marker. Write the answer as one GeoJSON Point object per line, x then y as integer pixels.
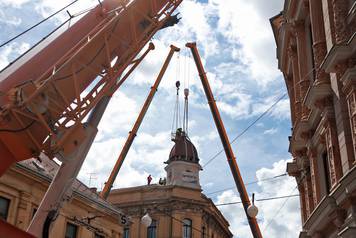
{"type": "Point", "coordinates": [225, 141]}
{"type": "Point", "coordinates": [108, 184]}
{"type": "Point", "coordinates": [46, 95]}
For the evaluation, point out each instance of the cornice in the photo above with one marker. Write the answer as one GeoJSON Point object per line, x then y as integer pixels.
{"type": "Point", "coordinates": [339, 53]}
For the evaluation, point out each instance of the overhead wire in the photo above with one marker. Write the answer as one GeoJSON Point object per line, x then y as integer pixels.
{"type": "Point", "coordinates": [259, 200]}
{"type": "Point", "coordinates": [264, 113]}
{"type": "Point", "coordinates": [249, 183]}
{"type": "Point", "coordinates": [37, 24]}
{"type": "Point", "coordinates": [281, 207]}
{"type": "Point", "coordinates": [46, 36]}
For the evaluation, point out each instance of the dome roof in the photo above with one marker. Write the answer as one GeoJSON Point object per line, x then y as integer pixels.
{"type": "Point", "coordinates": [183, 150]}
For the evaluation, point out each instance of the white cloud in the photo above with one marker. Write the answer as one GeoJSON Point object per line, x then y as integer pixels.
{"type": "Point", "coordinates": [13, 3]}
{"type": "Point", "coordinates": [271, 131]}
{"type": "Point", "coordinates": [246, 25]}
{"type": "Point", "coordinates": [284, 224]}
{"type": "Point", "coordinates": [7, 52]}
{"type": "Point", "coordinates": [8, 19]}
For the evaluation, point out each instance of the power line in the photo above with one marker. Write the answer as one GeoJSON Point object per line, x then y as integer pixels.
{"type": "Point", "coordinates": [258, 118]}
{"type": "Point", "coordinates": [259, 200]}
{"type": "Point", "coordinates": [248, 127]}
{"type": "Point", "coordinates": [250, 183]}
{"type": "Point", "coordinates": [283, 204]}
{"type": "Point", "coordinates": [45, 37]}
{"type": "Point", "coordinates": [37, 24]}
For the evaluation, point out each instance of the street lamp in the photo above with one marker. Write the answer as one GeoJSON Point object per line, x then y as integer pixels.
{"type": "Point", "coordinates": [252, 210]}
{"type": "Point", "coordinates": [146, 220]}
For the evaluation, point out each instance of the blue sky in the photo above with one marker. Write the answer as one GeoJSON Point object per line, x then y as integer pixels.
{"type": "Point", "coordinates": [238, 50]}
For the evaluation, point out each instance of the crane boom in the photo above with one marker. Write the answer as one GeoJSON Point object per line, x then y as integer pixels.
{"type": "Point", "coordinates": [106, 190]}
{"type": "Point", "coordinates": [44, 100]}
{"type": "Point", "coordinates": [225, 141]}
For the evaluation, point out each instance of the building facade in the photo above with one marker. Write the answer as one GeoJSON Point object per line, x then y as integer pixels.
{"type": "Point", "coordinates": [316, 51]}
{"type": "Point", "coordinates": [23, 186]}
{"type": "Point", "coordinates": [178, 209]}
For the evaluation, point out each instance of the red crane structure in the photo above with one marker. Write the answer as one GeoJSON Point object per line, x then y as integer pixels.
{"type": "Point", "coordinates": [52, 99]}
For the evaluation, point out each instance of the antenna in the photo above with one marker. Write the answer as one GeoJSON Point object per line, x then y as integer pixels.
{"type": "Point", "coordinates": [92, 177]}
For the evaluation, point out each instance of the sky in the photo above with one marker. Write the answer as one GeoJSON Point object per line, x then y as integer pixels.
{"type": "Point", "coordinates": [237, 47]}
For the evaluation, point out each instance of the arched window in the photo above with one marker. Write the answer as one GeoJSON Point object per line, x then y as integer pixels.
{"type": "Point", "coordinates": [187, 228]}
{"type": "Point", "coordinates": [152, 230]}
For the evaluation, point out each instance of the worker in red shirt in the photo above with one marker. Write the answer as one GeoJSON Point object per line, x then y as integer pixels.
{"type": "Point", "coordinates": [149, 179]}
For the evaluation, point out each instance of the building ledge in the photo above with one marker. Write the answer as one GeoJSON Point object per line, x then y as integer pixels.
{"type": "Point", "coordinates": [295, 145]}
{"type": "Point", "coordinates": [339, 53]}
{"type": "Point", "coordinates": [346, 186]}
{"type": "Point", "coordinates": [315, 93]}
{"type": "Point", "coordinates": [319, 218]}
{"type": "Point", "coordinates": [351, 16]}
{"type": "Point", "coordinates": [349, 78]}
{"type": "Point", "coordinates": [347, 232]}
{"type": "Point", "coordinates": [292, 168]}
{"type": "Point", "coordinates": [301, 127]}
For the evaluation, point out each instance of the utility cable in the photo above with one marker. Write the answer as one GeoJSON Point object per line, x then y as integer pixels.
{"type": "Point", "coordinates": [250, 183]}
{"type": "Point", "coordinates": [259, 118]}
{"type": "Point", "coordinates": [259, 200]}
{"type": "Point", "coordinates": [37, 24]}
{"type": "Point", "coordinates": [45, 37]}
{"type": "Point", "coordinates": [283, 204]}
{"type": "Point", "coordinates": [247, 128]}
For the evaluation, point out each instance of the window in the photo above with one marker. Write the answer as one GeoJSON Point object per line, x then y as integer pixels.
{"type": "Point", "coordinates": [4, 207]}
{"type": "Point", "coordinates": [71, 230]}
{"type": "Point", "coordinates": [203, 233]}
{"type": "Point", "coordinates": [152, 230]}
{"type": "Point", "coordinates": [187, 228]}
{"type": "Point", "coordinates": [326, 172]}
{"type": "Point", "coordinates": [126, 232]}
{"type": "Point", "coordinates": [34, 210]}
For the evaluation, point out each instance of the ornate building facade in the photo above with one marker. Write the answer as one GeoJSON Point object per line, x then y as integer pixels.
{"type": "Point", "coordinates": [316, 51]}
{"type": "Point", "coordinates": [178, 208]}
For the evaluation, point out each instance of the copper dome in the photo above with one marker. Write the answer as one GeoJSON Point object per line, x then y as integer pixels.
{"type": "Point", "coordinates": [183, 150]}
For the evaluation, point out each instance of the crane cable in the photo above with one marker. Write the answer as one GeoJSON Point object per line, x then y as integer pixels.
{"type": "Point", "coordinates": [37, 24]}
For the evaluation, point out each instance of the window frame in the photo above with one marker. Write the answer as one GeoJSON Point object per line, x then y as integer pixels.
{"type": "Point", "coordinates": [6, 214]}
{"type": "Point", "coordinates": [187, 231]}
{"type": "Point", "coordinates": [126, 229]}
{"type": "Point", "coordinates": [152, 229]}
{"type": "Point", "coordinates": [68, 224]}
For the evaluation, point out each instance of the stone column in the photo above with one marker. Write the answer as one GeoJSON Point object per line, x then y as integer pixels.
{"type": "Point", "coordinates": [302, 202]}
{"type": "Point", "coordinates": [350, 91]}
{"type": "Point", "coordinates": [340, 8]}
{"type": "Point", "coordinates": [24, 213]}
{"type": "Point", "coordinates": [304, 82]}
{"type": "Point", "coordinates": [314, 174]}
{"type": "Point", "coordinates": [331, 143]}
{"type": "Point", "coordinates": [309, 194]}
{"type": "Point", "coordinates": [290, 88]}
{"type": "Point", "coordinates": [319, 42]}
{"type": "Point", "coordinates": [292, 53]}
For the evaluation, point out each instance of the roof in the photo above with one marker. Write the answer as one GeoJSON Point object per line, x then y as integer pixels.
{"type": "Point", "coordinates": [46, 169]}
{"type": "Point", "coordinates": [183, 149]}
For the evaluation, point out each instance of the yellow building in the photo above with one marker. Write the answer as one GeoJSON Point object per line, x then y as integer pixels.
{"type": "Point", "coordinates": [85, 215]}
{"type": "Point", "coordinates": [178, 208]}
